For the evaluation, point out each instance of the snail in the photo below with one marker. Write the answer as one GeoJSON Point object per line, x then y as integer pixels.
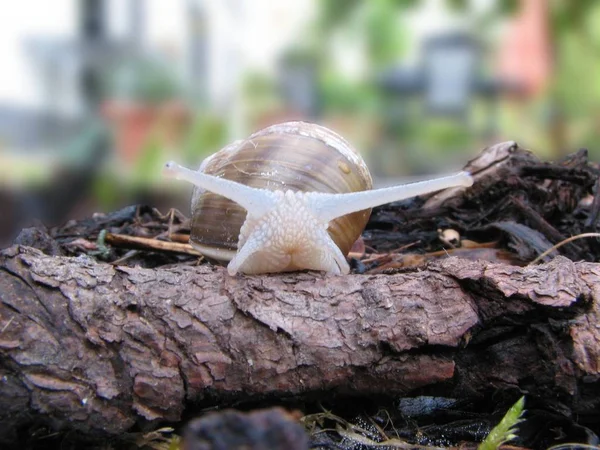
{"type": "Point", "coordinates": [292, 196]}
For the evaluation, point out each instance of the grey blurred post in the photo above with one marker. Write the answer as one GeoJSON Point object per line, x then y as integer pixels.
{"type": "Point", "coordinates": [450, 68]}
{"type": "Point", "coordinates": [198, 49]}
{"type": "Point", "coordinates": [92, 33]}
{"type": "Point", "coordinates": [137, 23]}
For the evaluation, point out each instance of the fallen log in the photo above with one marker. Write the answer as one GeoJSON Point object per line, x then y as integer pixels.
{"type": "Point", "coordinates": [101, 349]}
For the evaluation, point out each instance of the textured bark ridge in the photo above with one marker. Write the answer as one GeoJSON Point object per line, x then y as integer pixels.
{"type": "Point", "coordinates": [99, 348]}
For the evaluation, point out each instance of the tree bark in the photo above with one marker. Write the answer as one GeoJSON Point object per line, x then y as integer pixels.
{"type": "Point", "coordinates": [98, 348]}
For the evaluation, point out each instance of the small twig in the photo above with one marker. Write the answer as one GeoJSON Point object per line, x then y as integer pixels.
{"type": "Point", "coordinates": [594, 215]}
{"type": "Point", "coordinates": [405, 246]}
{"type": "Point", "coordinates": [175, 235]}
{"type": "Point", "coordinates": [171, 215]}
{"type": "Point", "coordinates": [537, 220]}
{"type": "Point", "coordinates": [370, 257]}
{"type": "Point", "coordinates": [560, 244]}
{"type": "Point", "coordinates": [122, 240]}
{"type": "Point", "coordinates": [180, 237]}
{"type": "Point", "coordinates": [7, 324]}
{"type": "Point", "coordinates": [173, 212]}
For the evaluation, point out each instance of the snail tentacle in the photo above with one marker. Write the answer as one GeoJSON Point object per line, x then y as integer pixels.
{"type": "Point", "coordinates": [256, 201]}
{"type": "Point", "coordinates": [331, 206]}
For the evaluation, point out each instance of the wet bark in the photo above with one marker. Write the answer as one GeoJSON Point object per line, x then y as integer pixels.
{"type": "Point", "coordinates": [100, 348]}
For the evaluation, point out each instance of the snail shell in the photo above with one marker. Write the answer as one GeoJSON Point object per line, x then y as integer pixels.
{"type": "Point", "coordinates": [298, 156]}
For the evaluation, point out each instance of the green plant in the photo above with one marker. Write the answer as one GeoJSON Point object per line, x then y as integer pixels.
{"type": "Point", "coordinates": [148, 167]}
{"type": "Point", "coordinates": [208, 134]}
{"type": "Point", "coordinates": [342, 95]}
{"type": "Point", "coordinates": [506, 430]}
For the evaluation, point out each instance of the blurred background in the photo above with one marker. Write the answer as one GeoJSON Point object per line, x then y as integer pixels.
{"type": "Point", "coordinates": [95, 95]}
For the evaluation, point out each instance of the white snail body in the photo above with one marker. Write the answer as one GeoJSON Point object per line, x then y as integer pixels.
{"type": "Point", "coordinates": [292, 196]}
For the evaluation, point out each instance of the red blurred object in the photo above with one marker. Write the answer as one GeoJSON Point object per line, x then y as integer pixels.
{"type": "Point", "coordinates": [133, 123]}
{"type": "Point", "coordinates": [526, 55]}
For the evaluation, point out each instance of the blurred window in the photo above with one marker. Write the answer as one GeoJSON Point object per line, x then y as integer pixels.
{"type": "Point", "coordinates": [450, 66]}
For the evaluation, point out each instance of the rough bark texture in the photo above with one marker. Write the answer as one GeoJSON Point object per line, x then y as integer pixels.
{"type": "Point", "coordinates": [99, 348]}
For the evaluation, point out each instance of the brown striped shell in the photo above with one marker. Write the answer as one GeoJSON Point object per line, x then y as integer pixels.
{"type": "Point", "coordinates": [295, 156]}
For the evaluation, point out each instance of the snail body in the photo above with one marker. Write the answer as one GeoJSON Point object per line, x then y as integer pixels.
{"type": "Point", "coordinates": [292, 196]}
{"type": "Point", "coordinates": [294, 156]}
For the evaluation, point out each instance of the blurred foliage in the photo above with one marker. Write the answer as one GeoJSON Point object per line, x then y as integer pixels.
{"type": "Point", "coordinates": [208, 134]}
{"type": "Point", "coordinates": [377, 23]}
{"type": "Point", "coordinates": [374, 32]}
{"type": "Point", "coordinates": [148, 166]}
{"type": "Point", "coordinates": [411, 140]}
{"type": "Point", "coordinates": [568, 114]}
{"type": "Point", "coordinates": [443, 133]}
{"type": "Point", "coordinates": [565, 116]}
{"type": "Point", "coordinates": [576, 92]}
{"type": "Point", "coordinates": [333, 13]}
{"type": "Point", "coordinates": [113, 186]}
{"type": "Point", "coordinates": [432, 145]}
{"type": "Point", "coordinates": [260, 91]}
{"type": "Point", "coordinates": [19, 170]}
{"type": "Point", "coordinates": [385, 39]}
{"type": "Point", "coordinates": [108, 190]}
{"type": "Point", "coordinates": [342, 95]}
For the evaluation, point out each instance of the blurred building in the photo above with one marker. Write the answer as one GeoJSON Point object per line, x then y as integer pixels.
{"type": "Point", "coordinates": [208, 45]}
